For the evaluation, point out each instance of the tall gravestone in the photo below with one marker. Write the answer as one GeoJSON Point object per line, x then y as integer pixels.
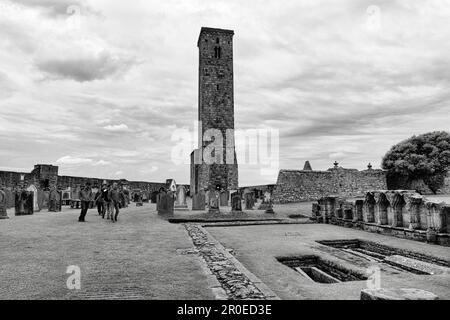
{"type": "Point", "coordinates": [180, 203]}
{"type": "Point", "coordinates": [33, 189]}
{"type": "Point", "coordinates": [24, 203]}
{"type": "Point", "coordinates": [214, 202]}
{"type": "Point", "coordinates": [236, 203]}
{"type": "Point", "coordinates": [3, 206]}
{"type": "Point", "coordinates": [249, 201]}
{"type": "Point", "coordinates": [199, 201]}
{"type": "Point", "coordinates": [165, 203]}
{"type": "Point", "coordinates": [55, 201]}
{"type": "Point", "coordinates": [224, 195]}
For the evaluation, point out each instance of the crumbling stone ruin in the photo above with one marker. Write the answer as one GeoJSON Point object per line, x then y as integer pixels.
{"type": "Point", "coordinates": [306, 185]}
{"type": "Point", "coordinates": [399, 213]}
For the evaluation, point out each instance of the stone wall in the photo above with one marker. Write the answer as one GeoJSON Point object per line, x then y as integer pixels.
{"type": "Point", "coordinates": [300, 185]}
{"type": "Point", "coordinates": [45, 176]}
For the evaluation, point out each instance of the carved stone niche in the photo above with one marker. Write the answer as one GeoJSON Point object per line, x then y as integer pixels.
{"type": "Point", "coordinates": [369, 208]}
{"type": "Point", "coordinates": [381, 208]}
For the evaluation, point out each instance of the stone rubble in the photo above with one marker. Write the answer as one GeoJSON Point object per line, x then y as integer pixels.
{"type": "Point", "coordinates": [236, 285]}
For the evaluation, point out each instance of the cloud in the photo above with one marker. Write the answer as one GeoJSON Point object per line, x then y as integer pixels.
{"type": "Point", "coordinates": [310, 69]}
{"type": "Point", "coordinates": [68, 160]}
{"type": "Point", "coordinates": [54, 7]}
{"type": "Point", "coordinates": [117, 128]}
{"type": "Point", "coordinates": [82, 69]}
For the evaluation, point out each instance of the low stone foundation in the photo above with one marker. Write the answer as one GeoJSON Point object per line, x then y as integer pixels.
{"type": "Point", "coordinates": [401, 213]}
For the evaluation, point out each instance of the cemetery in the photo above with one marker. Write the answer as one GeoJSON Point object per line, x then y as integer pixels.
{"type": "Point", "coordinates": [335, 234]}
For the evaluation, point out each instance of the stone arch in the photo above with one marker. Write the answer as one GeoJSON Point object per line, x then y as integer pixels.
{"type": "Point", "coordinates": [381, 208]}
{"type": "Point", "coordinates": [398, 206]}
{"type": "Point", "coordinates": [369, 208]}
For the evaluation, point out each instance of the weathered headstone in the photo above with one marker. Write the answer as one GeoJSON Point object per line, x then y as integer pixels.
{"type": "Point", "coordinates": [199, 201]}
{"type": "Point", "coordinates": [55, 201]}
{"type": "Point", "coordinates": [180, 204]}
{"type": "Point", "coordinates": [24, 203]}
{"type": "Point", "coordinates": [3, 212]}
{"type": "Point", "coordinates": [249, 201]}
{"type": "Point", "coordinates": [9, 198]}
{"type": "Point", "coordinates": [213, 204]}
{"type": "Point", "coordinates": [33, 189]}
{"type": "Point", "coordinates": [236, 203]}
{"type": "Point", "coordinates": [165, 203]}
{"type": "Point", "coordinates": [224, 195]}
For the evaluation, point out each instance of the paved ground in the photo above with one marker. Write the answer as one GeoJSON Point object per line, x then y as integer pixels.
{"type": "Point", "coordinates": [138, 258]}
{"type": "Point", "coordinates": [145, 257]}
{"type": "Point", "coordinates": [257, 247]}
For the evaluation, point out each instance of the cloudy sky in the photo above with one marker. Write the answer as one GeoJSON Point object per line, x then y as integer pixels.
{"type": "Point", "coordinates": [98, 87]}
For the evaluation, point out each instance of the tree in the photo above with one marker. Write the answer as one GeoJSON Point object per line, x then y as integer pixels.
{"type": "Point", "coordinates": [420, 159]}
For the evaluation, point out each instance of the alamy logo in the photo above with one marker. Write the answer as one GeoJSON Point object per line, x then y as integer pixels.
{"type": "Point", "coordinates": [74, 280]}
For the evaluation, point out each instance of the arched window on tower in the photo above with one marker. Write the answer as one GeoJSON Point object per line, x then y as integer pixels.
{"type": "Point", "coordinates": [217, 52]}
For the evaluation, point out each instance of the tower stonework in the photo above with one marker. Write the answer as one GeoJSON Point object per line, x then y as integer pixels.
{"type": "Point", "coordinates": [215, 111]}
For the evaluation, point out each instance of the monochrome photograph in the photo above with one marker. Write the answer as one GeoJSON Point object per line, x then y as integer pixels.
{"type": "Point", "coordinates": [224, 155]}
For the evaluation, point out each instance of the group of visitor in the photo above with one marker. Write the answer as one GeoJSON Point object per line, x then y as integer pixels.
{"type": "Point", "coordinates": [108, 200]}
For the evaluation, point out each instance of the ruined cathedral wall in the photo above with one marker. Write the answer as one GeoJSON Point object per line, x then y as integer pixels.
{"type": "Point", "coordinates": [298, 186]}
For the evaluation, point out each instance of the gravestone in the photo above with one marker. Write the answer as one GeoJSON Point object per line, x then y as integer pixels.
{"type": "Point", "coordinates": [236, 203]}
{"type": "Point", "coordinates": [224, 195]}
{"type": "Point", "coordinates": [180, 204]}
{"type": "Point", "coordinates": [42, 199]}
{"type": "Point", "coordinates": [199, 201]}
{"type": "Point", "coordinates": [24, 203]}
{"type": "Point", "coordinates": [55, 201]}
{"type": "Point", "coordinates": [214, 201]}
{"type": "Point", "coordinates": [154, 196]}
{"type": "Point", "coordinates": [165, 203]}
{"type": "Point", "coordinates": [249, 201]}
{"type": "Point", "coordinates": [3, 212]}
{"type": "Point", "coordinates": [9, 198]}
{"type": "Point", "coordinates": [33, 189]}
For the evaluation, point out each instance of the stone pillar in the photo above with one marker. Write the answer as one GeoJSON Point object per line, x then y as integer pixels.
{"type": "Point", "coordinates": [358, 212]}
{"type": "Point", "coordinates": [3, 206]}
{"type": "Point", "coordinates": [415, 208]}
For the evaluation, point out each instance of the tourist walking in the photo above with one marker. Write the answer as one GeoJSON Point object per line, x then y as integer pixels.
{"type": "Point", "coordinates": [85, 197]}
{"type": "Point", "coordinates": [117, 198]}
{"type": "Point", "coordinates": [99, 199]}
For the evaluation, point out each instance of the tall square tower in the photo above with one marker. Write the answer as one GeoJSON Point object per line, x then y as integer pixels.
{"type": "Point", "coordinates": [215, 112]}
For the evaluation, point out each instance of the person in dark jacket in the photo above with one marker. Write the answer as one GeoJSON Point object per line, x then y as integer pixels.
{"type": "Point", "coordinates": [85, 197]}
{"type": "Point", "coordinates": [116, 197]}
{"type": "Point", "coordinates": [100, 199]}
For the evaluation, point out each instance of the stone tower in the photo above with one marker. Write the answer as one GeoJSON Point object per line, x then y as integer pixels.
{"type": "Point", "coordinates": [215, 112]}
